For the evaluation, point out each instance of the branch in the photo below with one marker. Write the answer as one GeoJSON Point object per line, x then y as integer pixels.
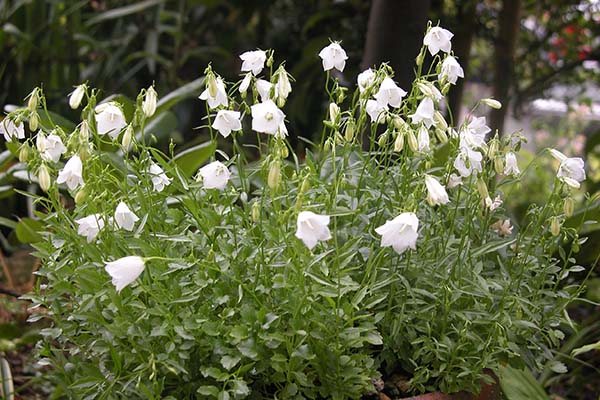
{"type": "Point", "coordinates": [10, 292]}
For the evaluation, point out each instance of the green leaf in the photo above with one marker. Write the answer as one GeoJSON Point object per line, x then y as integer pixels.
{"type": "Point", "coordinates": [51, 119]}
{"type": "Point", "coordinates": [186, 91]}
{"type": "Point", "coordinates": [28, 229]}
{"type": "Point", "coordinates": [229, 362]}
{"type": "Point", "coordinates": [586, 348]}
{"type": "Point", "coordinates": [9, 223]}
{"type": "Point", "coordinates": [191, 159]}
{"type": "Point", "coordinates": [121, 12]}
{"type": "Point", "coordinates": [208, 390]}
{"type": "Point", "coordinates": [520, 385]}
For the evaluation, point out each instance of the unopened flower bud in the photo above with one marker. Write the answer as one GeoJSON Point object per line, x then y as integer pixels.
{"type": "Point", "coordinates": [440, 121]}
{"type": "Point", "coordinates": [412, 141]}
{"type": "Point", "coordinates": [80, 196]}
{"type": "Point", "coordinates": [274, 174]}
{"type": "Point", "coordinates": [382, 139]}
{"type": "Point", "coordinates": [555, 226]}
{"type": "Point", "coordinates": [493, 148]}
{"type": "Point", "coordinates": [44, 178]}
{"type": "Point", "coordinates": [499, 165]}
{"type": "Point", "coordinates": [255, 211]}
{"type": "Point", "coordinates": [569, 206]}
{"type": "Point", "coordinates": [441, 135]}
{"type": "Point", "coordinates": [482, 189]}
{"type": "Point", "coordinates": [76, 96]}
{"type": "Point", "coordinates": [420, 58]}
{"type": "Point", "coordinates": [24, 153]}
{"type": "Point", "coordinates": [211, 83]}
{"type": "Point", "coordinates": [34, 100]}
{"type": "Point", "coordinates": [349, 132]}
{"type": "Point", "coordinates": [269, 61]}
{"type": "Point", "coordinates": [40, 142]}
{"type": "Point", "coordinates": [127, 139]}
{"type": "Point", "coordinates": [84, 151]}
{"type": "Point", "coordinates": [84, 131]}
{"type": "Point", "coordinates": [399, 142]}
{"type": "Point", "coordinates": [398, 122]}
{"type": "Point", "coordinates": [305, 185]}
{"type": "Point", "coordinates": [334, 113]}
{"type": "Point", "coordinates": [341, 96]}
{"type": "Point", "coordinates": [34, 121]}
{"type": "Point", "coordinates": [149, 103]}
{"type": "Point", "coordinates": [492, 103]}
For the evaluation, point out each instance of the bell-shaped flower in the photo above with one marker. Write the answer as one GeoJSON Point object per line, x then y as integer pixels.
{"type": "Point", "coordinates": [424, 113]}
{"type": "Point", "coordinates": [76, 96]}
{"type": "Point", "coordinates": [389, 93]}
{"type": "Point", "coordinates": [282, 87]}
{"type": "Point", "coordinates": [150, 101]}
{"type": "Point", "coordinates": [454, 181]}
{"type": "Point", "coordinates": [90, 226]}
{"type": "Point", "coordinates": [71, 173]}
{"type": "Point", "coordinates": [215, 175]}
{"type": "Point", "coordinates": [436, 193]}
{"type": "Point", "coordinates": [10, 130]}
{"type": "Point", "coordinates": [376, 111]}
{"type": "Point", "coordinates": [438, 39]}
{"type": "Point", "coordinates": [400, 233]}
{"type": "Point", "coordinates": [423, 139]}
{"type": "Point", "coordinates": [253, 61]}
{"type": "Point", "coordinates": [125, 270]}
{"type": "Point", "coordinates": [510, 164]}
{"type": "Point", "coordinates": [473, 134]}
{"type": "Point", "coordinates": [263, 88]}
{"type": "Point", "coordinates": [312, 228]}
{"type": "Point", "coordinates": [220, 95]}
{"type": "Point", "coordinates": [110, 119]}
{"type": "Point", "coordinates": [50, 147]}
{"type": "Point", "coordinates": [159, 178]}
{"type": "Point", "coordinates": [227, 121]}
{"type": "Point", "coordinates": [266, 117]}
{"type": "Point", "coordinates": [333, 56]}
{"type": "Point", "coordinates": [451, 70]}
{"type": "Point", "coordinates": [571, 169]}
{"type": "Point", "coordinates": [366, 79]}
{"type": "Point", "coordinates": [124, 217]}
{"type": "Point", "coordinates": [468, 162]}
{"type": "Point", "coordinates": [502, 228]}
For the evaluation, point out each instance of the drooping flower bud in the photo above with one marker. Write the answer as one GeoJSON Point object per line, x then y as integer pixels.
{"type": "Point", "coordinates": [440, 121]}
{"type": "Point", "coordinates": [80, 196]}
{"type": "Point", "coordinates": [334, 113]}
{"type": "Point", "coordinates": [493, 148]}
{"type": "Point", "coordinates": [211, 84]}
{"type": "Point", "coordinates": [84, 131]}
{"type": "Point", "coordinates": [76, 96]}
{"type": "Point", "coordinates": [482, 189]}
{"type": "Point", "coordinates": [499, 165]}
{"type": "Point", "coordinates": [44, 178]}
{"type": "Point", "coordinates": [493, 103]}
{"type": "Point", "coordinates": [34, 121]}
{"type": "Point", "coordinates": [127, 139]}
{"type": "Point", "coordinates": [555, 226]}
{"type": "Point", "coordinates": [382, 139]}
{"type": "Point", "coordinates": [349, 132]}
{"type": "Point", "coordinates": [569, 206]}
{"type": "Point", "coordinates": [274, 174]}
{"type": "Point", "coordinates": [441, 135]}
{"type": "Point", "coordinates": [34, 100]}
{"type": "Point", "coordinates": [255, 211]}
{"type": "Point", "coordinates": [24, 153]}
{"type": "Point", "coordinates": [412, 141]}
{"type": "Point", "coordinates": [149, 103]}
{"type": "Point", "coordinates": [399, 142]}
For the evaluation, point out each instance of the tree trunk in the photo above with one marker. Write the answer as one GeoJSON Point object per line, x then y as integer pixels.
{"type": "Point", "coordinates": [463, 39]}
{"type": "Point", "coordinates": [395, 35]}
{"type": "Point", "coordinates": [508, 30]}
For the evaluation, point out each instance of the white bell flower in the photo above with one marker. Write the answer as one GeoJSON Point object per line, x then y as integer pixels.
{"type": "Point", "coordinates": [365, 79]}
{"type": "Point", "coordinates": [263, 88]}
{"type": "Point", "coordinates": [451, 70]}
{"type": "Point", "coordinates": [333, 56]}
{"type": "Point", "coordinates": [110, 119]}
{"type": "Point", "coordinates": [424, 113]}
{"type": "Point", "coordinates": [125, 270]}
{"type": "Point", "coordinates": [468, 162]}
{"type": "Point", "coordinates": [423, 139]}
{"type": "Point", "coordinates": [159, 178]}
{"type": "Point", "coordinates": [215, 175]}
{"type": "Point", "coordinates": [71, 173]}
{"type": "Point", "coordinates": [510, 164]}
{"type": "Point", "coordinates": [220, 97]}
{"type": "Point", "coordinates": [150, 101]}
{"type": "Point", "coordinates": [253, 61]}
{"type": "Point", "coordinates": [11, 130]}
{"type": "Point", "coordinates": [50, 147]}
{"type": "Point", "coordinates": [312, 228]}
{"type": "Point", "coordinates": [245, 83]}
{"type": "Point", "coordinates": [76, 96]}
{"type": "Point", "coordinates": [227, 121]}
{"type": "Point", "coordinates": [571, 170]}
{"type": "Point", "coordinates": [90, 226]}
{"type": "Point", "coordinates": [376, 111]}
{"type": "Point", "coordinates": [400, 233]}
{"type": "Point", "coordinates": [436, 193]}
{"type": "Point", "coordinates": [389, 93]}
{"type": "Point", "coordinates": [124, 217]}
{"type": "Point", "coordinates": [438, 39]}
{"type": "Point", "coordinates": [266, 117]}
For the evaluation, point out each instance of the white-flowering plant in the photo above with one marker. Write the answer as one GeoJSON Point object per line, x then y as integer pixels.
{"type": "Point", "coordinates": [387, 246]}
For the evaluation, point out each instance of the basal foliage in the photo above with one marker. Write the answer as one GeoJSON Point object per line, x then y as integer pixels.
{"type": "Point", "coordinates": [384, 247]}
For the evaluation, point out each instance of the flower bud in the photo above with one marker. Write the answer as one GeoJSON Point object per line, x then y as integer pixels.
{"type": "Point", "coordinates": [349, 132]}
{"type": "Point", "coordinates": [412, 141]}
{"type": "Point", "coordinates": [441, 135]}
{"type": "Point", "coordinates": [284, 151]}
{"type": "Point", "coordinates": [34, 121]}
{"type": "Point", "coordinates": [334, 113]}
{"type": "Point", "coordinates": [440, 121]}
{"type": "Point", "coordinates": [555, 226]}
{"type": "Point", "coordinates": [492, 103]}
{"type": "Point", "coordinates": [84, 131]}
{"type": "Point", "coordinates": [84, 151]}
{"type": "Point", "coordinates": [211, 83]}
{"type": "Point", "coordinates": [149, 103]}
{"type": "Point", "coordinates": [398, 122]}
{"type": "Point", "coordinates": [569, 206]}
{"type": "Point", "coordinates": [382, 139]}
{"type": "Point", "coordinates": [34, 101]}
{"type": "Point", "coordinates": [40, 142]}
{"type": "Point", "coordinates": [420, 58]}
{"type": "Point", "coordinates": [80, 196]}
{"type": "Point", "coordinates": [493, 148]}
{"type": "Point", "coordinates": [399, 142]}
{"type": "Point", "coordinates": [24, 153]}
{"type": "Point", "coordinates": [44, 178]}
{"type": "Point", "coordinates": [482, 189]}
{"type": "Point", "coordinates": [127, 139]}
{"type": "Point", "coordinates": [274, 174]}
{"type": "Point", "coordinates": [76, 96]}
{"type": "Point", "coordinates": [269, 61]}
{"type": "Point", "coordinates": [255, 211]}
{"type": "Point", "coordinates": [499, 165]}
{"type": "Point", "coordinates": [305, 185]}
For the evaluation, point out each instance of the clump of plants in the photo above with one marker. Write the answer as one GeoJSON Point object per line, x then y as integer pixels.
{"type": "Point", "coordinates": [383, 247]}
